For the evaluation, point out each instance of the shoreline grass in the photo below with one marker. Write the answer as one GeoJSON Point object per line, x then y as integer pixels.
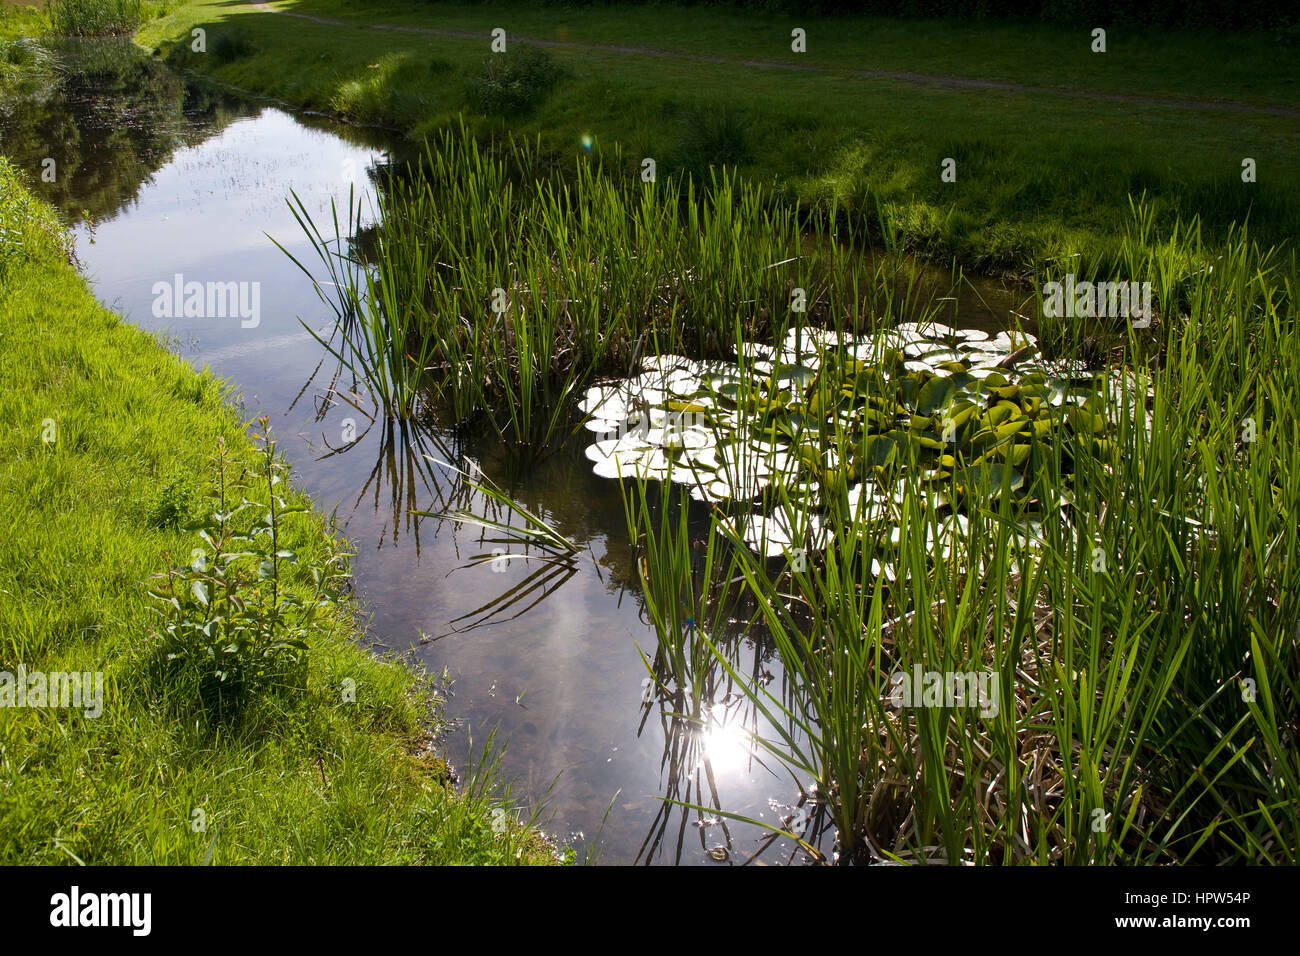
{"type": "Point", "coordinates": [310, 774]}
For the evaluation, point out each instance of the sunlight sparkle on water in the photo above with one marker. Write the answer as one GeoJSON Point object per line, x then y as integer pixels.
{"type": "Point", "coordinates": [728, 747]}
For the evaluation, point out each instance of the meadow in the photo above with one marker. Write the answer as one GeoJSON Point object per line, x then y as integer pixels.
{"type": "Point", "coordinates": [1048, 138]}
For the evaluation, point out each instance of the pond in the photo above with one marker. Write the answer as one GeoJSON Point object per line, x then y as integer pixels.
{"type": "Point", "coordinates": [167, 181]}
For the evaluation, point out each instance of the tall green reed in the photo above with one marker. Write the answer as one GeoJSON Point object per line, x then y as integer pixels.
{"type": "Point", "coordinates": [1143, 635]}
{"type": "Point", "coordinates": [505, 284]}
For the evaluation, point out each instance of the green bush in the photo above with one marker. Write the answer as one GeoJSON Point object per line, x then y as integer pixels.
{"type": "Point", "coordinates": [714, 137]}
{"type": "Point", "coordinates": [176, 504]}
{"type": "Point", "coordinates": [514, 83]}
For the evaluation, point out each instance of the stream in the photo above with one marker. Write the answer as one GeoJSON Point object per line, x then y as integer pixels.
{"type": "Point", "coordinates": [165, 179]}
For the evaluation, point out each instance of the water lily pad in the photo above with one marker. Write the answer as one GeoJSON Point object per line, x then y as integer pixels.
{"type": "Point", "coordinates": [934, 395]}
{"type": "Point", "coordinates": [939, 356]}
{"type": "Point", "coordinates": [868, 504]}
{"type": "Point", "coordinates": [628, 446]}
{"type": "Point", "coordinates": [789, 376]}
{"type": "Point", "coordinates": [606, 401]}
{"type": "Point", "coordinates": [649, 464]}
{"type": "Point", "coordinates": [1011, 341]}
{"type": "Point", "coordinates": [606, 427]}
{"type": "Point", "coordinates": [741, 486]}
{"type": "Point", "coordinates": [784, 530]}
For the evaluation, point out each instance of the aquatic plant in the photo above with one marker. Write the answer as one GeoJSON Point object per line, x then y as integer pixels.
{"type": "Point", "coordinates": [505, 287]}
{"type": "Point", "coordinates": [1126, 592]}
{"type": "Point", "coordinates": [837, 417]}
{"type": "Point", "coordinates": [380, 336]}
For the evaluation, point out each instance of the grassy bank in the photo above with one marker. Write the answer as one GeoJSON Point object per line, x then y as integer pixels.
{"type": "Point", "coordinates": [1044, 166]}
{"type": "Point", "coordinates": [305, 756]}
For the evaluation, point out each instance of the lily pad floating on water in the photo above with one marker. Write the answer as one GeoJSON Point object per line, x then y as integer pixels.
{"type": "Point", "coordinates": [783, 531]}
{"type": "Point", "coordinates": [922, 395]}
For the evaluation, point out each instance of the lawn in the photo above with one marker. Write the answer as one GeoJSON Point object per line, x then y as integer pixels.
{"type": "Point", "coordinates": [1046, 157]}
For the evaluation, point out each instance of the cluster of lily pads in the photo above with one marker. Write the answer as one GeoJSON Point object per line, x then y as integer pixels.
{"type": "Point", "coordinates": [833, 419]}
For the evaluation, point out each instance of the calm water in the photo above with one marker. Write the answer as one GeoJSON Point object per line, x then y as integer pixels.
{"type": "Point", "coordinates": [175, 179]}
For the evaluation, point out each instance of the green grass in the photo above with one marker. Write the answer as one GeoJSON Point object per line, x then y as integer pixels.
{"type": "Point", "coordinates": [25, 63]}
{"type": "Point", "coordinates": [301, 774]}
{"type": "Point", "coordinates": [77, 18]}
{"type": "Point", "coordinates": [20, 19]}
{"type": "Point", "coordinates": [1155, 60]}
{"type": "Point", "coordinates": [1039, 174]}
{"type": "Point", "coordinates": [84, 18]}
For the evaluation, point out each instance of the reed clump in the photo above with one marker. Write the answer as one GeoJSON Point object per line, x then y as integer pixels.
{"type": "Point", "coordinates": [1125, 624]}
{"type": "Point", "coordinates": [497, 285]}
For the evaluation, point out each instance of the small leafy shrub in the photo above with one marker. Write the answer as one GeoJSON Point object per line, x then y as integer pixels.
{"type": "Point", "coordinates": [233, 44]}
{"type": "Point", "coordinates": [514, 83]}
{"type": "Point", "coordinates": [232, 621]}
